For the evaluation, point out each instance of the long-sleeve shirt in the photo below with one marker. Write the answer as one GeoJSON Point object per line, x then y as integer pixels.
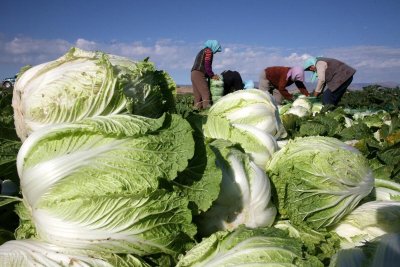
{"type": "Point", "coordinates": [332, 72]}
{"type": "Point", "coordinates": [321, 67]}
{"type": "Point", "coordinates": [203, 62]}
{"type": "Point", "coordinates": [277, 76]}
{"type": "Point", "coordinates": [208, 58]}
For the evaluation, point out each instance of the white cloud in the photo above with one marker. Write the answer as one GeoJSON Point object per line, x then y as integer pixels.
{"type": "Point", "coordinates": [85, 44]}
{"type": "Point", "coordinates": [373, 57]}
{"type": "Point", "coordinates": [23, 51]}
{"type": "Point", "coordinates": [373, 63]}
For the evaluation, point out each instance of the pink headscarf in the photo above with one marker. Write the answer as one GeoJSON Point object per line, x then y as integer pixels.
{"type": "Point", "coordinates": [295, 74]}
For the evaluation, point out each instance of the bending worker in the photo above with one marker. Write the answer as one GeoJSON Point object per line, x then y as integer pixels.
{"type": "Point", "coordinates": [333, 73]}
{"type": "Point", "coordinates": [232, 81]}
{"type": "Point", "coordinates": [276, 79]}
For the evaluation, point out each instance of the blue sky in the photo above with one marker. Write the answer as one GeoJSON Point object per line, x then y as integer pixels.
{"type": "Point", "coordinates": [254, 34]}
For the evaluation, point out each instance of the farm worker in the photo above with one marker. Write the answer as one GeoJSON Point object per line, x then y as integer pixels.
{"type": "Point", "coordinates": [232, 81]}
{"type": "Point", "coordinates": [276, 79]}
{"type": "Point", "coordinates": [201, 73]}
{"type": "Point", "coordinates": [333, 73]}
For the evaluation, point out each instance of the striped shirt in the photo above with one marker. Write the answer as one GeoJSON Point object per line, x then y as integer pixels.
{"type": "Point", "coordinates": [208, 62]}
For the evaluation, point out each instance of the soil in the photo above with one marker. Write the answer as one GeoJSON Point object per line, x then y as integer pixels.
{"type": "Point", "coordinates": [184, 89]}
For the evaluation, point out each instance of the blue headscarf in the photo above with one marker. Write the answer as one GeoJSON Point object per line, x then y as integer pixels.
{"type": "Point", "coordinates": [311, 61]}
{"type": "Point", "coordinates": [213, 45]}
{"type": "Point", "coordinates": [248, 84]}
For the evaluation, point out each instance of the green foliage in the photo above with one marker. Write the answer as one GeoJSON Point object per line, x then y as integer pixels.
{"type": "Point", "coordinates": [291, 123]}
{"type": "Point", "coordinates": [184, 104]}
{"type": "Point", "coordinates": [312, 128]}
{"type": "Point", "coordinates": [9, 141]}
{"type": "Point", "coordinates": [373, 97]}
{"type": "Point", "coordinates": [6, 113]}
{"type": "Point", "coordinates": [323, 124]}
{"type": "Point", "coordinates": [357, 131]}
{"type": "Point", "coordinates": [8, 218]}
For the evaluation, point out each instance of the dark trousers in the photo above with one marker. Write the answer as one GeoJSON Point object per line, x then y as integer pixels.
{"type": "Point", "coordinates": [333, 98]}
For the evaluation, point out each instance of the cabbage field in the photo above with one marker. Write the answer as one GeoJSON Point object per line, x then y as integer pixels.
{"type": "Point", "coordinates": [103, 163]}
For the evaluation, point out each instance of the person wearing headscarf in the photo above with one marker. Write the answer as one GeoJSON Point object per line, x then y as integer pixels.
{"type": "Point", "coordinates": [331, 73]}
{"type": "Point", "coordinates": [276, 79]}
{"type": "Point", "coordinates": [202, 72]}
{"type": "Point", "coordinates": [232, 81]}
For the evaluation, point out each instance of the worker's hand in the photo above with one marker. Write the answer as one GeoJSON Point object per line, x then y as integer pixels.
{"type": "Point", "coordinates": [316, 94]}
{"type": "Point", "coordinates": [215, 77]}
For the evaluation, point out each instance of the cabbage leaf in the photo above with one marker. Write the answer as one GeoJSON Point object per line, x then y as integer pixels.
{"type": "Point", "coordinates": [317, 180]}
{"type": "Point", "coordinates": [95, 185]}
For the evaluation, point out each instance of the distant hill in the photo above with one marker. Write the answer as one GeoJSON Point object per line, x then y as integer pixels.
{"type": "Point", "coordinates": [358, 86]}
{"type": "Point", "coordinates": [388, 84]}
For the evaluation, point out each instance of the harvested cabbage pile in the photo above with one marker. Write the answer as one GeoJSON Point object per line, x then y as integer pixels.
{"type": "Point", "coordinates": [216, 89]}
{"type": "Point", "coordinates": [302, 106]}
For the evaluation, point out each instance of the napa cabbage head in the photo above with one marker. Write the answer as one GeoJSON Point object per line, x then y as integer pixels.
{"type": "Point", "coordinates": [251, 107]}
{"type": "Point", "coordinates": [368, 221]}
{"type": "Point", "coordinates": [150, 92]}
{"type": "Point", "coordinates": [304, 106]}
{"type": "Point", "coordinates": [284, 108]}
{"type": "Point", "coordinates": [248, 247]}
{"type": "Point", "coordinates": [317, 180]}
{"type": "Point", "coordinates": [83, 84]}
{"type": "Point", "coordinates": [386, 189]}
{"type": "Point", "coordinates": [245, 193]}
{"type": "Point", "coordinates": [249, 118]}
{"type": "Point", "coordinates": [95, 185]}
{"type": "Point", "coordinates": [299, 111]}
{"type": "Point", "coordinates": [29, 252]}
{"type": "Point", "coordinates": [302, 101]}
{"type": "Point", "coordinates": [259, 145]}
{"type": "Point", "coordinates": [381, 251]}
{"type": "Point", "coordinates": [316, 108]}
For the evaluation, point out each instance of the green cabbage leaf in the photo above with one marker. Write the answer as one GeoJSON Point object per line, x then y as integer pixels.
{"type": "Point", "coordinates": [248, 247]}
{"type": "Point", "coordinates": [95, 184]}
{"type": "Point", "coordinates": [249, 118]}
{"type": "Point", "coordinates": [317, 180]}
{"type": "Point", "coordinates": [17, 253]}
{"type": "Point", "coordinates": [368, 221]}
{"type": "Point", "coordinates": [244, 196]}
{"type": "Point", "coordinates": [83, 84]}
